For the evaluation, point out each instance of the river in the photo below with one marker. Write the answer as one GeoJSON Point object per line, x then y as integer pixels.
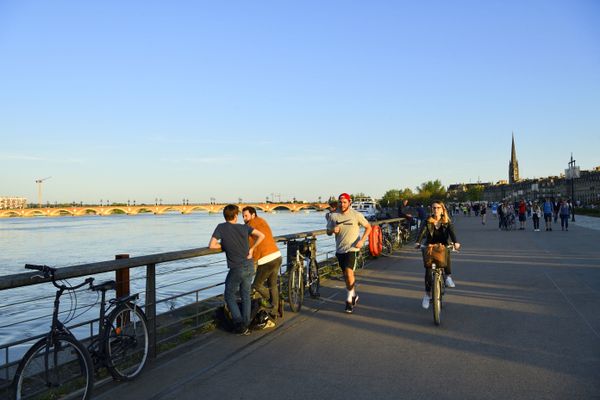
{"type": "Point", "coordinates": [66, 241]}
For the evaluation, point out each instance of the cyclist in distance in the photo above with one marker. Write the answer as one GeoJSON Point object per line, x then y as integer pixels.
{"type": "Point", "coordinates": [345, 224]}
{"type": "Point", "coordinates": [437, 229]}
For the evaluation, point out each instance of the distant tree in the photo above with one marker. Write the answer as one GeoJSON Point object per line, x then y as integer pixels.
{"type": "Point", "coordinates": [475, 192]}
{"type": "Point", "coordinates": [429, 191]}
{"type": "Point", "coordinates": [390, 198]}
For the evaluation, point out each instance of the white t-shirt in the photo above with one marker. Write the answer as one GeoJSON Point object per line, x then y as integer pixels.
{"type": "Point", "coordinates": [349, 224]}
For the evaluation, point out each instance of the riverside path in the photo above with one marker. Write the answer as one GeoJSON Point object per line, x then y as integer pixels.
{"type": "Point", "coordinates": [522, 323]}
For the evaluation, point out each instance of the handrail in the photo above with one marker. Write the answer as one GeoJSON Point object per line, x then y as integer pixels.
{"type": "Point", "coordinates": [33, 278]}
{"type": "Point", "coordinates": [150, 263]}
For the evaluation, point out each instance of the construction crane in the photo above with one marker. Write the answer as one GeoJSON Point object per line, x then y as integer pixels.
{"type": "Point", "coordinates": [39, 182]}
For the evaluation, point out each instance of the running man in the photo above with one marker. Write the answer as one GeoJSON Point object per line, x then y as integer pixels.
{"type": "Point", "coordinates": [345, 224]}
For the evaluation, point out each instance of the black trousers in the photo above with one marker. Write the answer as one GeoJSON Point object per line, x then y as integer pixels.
{"type": "Point", "coordinates": [268, 272]}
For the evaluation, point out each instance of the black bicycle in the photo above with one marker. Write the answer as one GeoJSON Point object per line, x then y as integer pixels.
{"type": "Point", "coordinates": [387, 239]}
{"type": "Point", "coordinates": [59, 365]}
{"type": "Point", "coordinates": [303, 271]}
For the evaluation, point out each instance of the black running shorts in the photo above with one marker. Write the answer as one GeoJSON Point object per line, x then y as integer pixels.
{"type": "Point", "coordinates": [346, 260]}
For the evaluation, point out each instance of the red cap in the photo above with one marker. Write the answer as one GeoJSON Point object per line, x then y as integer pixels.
{"type": "Point", "coordinates": [344, 196]}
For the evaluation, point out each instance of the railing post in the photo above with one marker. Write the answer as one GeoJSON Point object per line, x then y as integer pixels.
{"type": "Point", "coordinates": [122, 278]}
{"type": "Point", "coordinates": [151, 307]}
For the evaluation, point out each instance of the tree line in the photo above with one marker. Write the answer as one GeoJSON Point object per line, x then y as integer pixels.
{"type": "Point", "coordinates": [429, 191]}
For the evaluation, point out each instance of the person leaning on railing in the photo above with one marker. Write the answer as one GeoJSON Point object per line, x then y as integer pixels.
{"type": "Point", "coordinates": [437, 229]}
{"type": "Point", "coordinates": [267, 257]}
{"type": "Point", "coordinates": [232, 238]}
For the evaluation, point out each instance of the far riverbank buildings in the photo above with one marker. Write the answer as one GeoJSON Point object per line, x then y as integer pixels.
{"type": "Point", "coordinates": [584, 188]}
{"type": "Point", "coordinates": [12, 202]}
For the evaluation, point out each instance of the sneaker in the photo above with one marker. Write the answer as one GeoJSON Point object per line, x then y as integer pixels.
{"type": "Point", "coordinates": [450, 282]}
{"type": "Point", "coordinates": [241, 330]}
{"type": "Point", "coordinates": [245, 332]}
{"type": "Point", "coordinates": [349, 307]}
{"type": "Point", "coordinates": [354, 300]}
{"type": "Point", "coordinates": [426, 301]}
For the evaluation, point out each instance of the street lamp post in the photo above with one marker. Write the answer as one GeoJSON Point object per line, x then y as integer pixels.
{"type": "Point", "coordinates": [572, 173]}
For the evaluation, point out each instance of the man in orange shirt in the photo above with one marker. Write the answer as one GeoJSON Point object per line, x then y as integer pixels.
{"type": "Point", "coordinates": [266, 255]}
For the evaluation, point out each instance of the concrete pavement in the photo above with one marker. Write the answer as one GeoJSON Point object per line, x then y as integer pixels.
{"type": "Point", "coordinates": [522, 323]}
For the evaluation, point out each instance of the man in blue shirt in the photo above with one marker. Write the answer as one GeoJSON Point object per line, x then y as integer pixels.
{"type": "Point", "coordinates": [548, 208]}
{"type": "Point", "coordinates": [232, 238]}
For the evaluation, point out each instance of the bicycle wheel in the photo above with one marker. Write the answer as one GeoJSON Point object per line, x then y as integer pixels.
{"type": "Point", "coordinates": [437, 297]}
{"type": "Point", "coordinates": [314, 281]}
{"type": "Point", "coordinates": [360, 260]}
{"type": "Point", "coordinates": [54, 371]}
{"type": "Point", "coordinates": [295, 287]}
{"type": "Point", "coordinates": [387, 246]}
{"type": "Point", "coordinates": [125, 341]}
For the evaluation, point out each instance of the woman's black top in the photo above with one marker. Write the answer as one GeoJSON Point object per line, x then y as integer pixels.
{"type": "Point", "coordinates": [444, 234]}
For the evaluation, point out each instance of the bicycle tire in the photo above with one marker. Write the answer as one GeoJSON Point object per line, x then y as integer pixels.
{"type": "Point", "coordinates": [48, 373]}
{"type": "Point", "coordinates": [360, 260]}
{"type": "Point", "coordinates": [295, 288]}
{"type": "Point", "coordinates": [314, 280]}
{"type": "Point", "coordinates": [126, 342]}
{"type": "Point", "coordinates": [387, 246]}
{"type": "Point", "coordinates": [437, 298]}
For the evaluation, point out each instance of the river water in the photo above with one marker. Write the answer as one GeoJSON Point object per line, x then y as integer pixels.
{"type": "Point", "coordinates": [66, 241]}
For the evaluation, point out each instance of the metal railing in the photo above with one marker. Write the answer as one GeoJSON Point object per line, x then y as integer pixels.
{"type": "Point", "coordinates": [150, 263]}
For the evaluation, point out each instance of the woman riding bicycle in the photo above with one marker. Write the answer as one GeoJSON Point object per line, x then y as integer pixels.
{"type": "Point", "coordinates": [437, 229]}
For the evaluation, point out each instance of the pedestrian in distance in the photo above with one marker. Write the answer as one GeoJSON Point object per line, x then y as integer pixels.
{"type": "Point", "coordinates": [522, 214]}
{"type": "Point", "coordinates": [421, 215]}
{"type": "Point", "coordinates": [267, 258]}
{"type": "Point", "coordinates": [483, 212]}
{"type": "Point", "coordinates": [548, 208]}
{"type": "Point", "coordinates": [555, 209]}
{"type": "Point", "coordinates": [345, 224]}
{"type": "Point", "coordinates": [232, 238]}
{"type": "Point", "coordinates": [437, 229]}
{"type": "Point", "coordinates": [564, 212]}
{"type": "Point", "coordinates": [536, 215]}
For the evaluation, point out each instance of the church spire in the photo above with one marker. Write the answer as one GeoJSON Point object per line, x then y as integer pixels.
{"type": "Point", "coordinates": [513, 165]}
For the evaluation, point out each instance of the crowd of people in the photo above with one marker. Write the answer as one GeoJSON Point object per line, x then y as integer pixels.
{"type": "Point", "coordinates": [514, 215]}
{"type": "Point", "coordinates": [254, 260]}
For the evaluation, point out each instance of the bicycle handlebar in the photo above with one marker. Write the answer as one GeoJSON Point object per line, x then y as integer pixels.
{"type": "Point", "coordinates": [49, 273]}
{"type": "Point", "coordinates": [449, 246]}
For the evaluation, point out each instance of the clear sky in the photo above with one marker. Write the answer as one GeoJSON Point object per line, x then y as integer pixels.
{"type": "Point", "coordinates": [139, 100]}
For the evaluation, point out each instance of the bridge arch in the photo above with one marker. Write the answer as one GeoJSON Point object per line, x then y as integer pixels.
{"type": "Point", "coordinates": [10, 213]}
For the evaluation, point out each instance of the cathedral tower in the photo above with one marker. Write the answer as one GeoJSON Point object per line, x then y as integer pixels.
{"type": "Point", "coordinates": [513, 165]}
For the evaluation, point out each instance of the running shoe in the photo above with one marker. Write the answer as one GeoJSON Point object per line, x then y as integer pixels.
{"type": "Point", "coordinates": [450, 282]}
{"type": "Point", "coordinates": [426, 301]}
{"type": "Point", "coordinates": [349, 307]}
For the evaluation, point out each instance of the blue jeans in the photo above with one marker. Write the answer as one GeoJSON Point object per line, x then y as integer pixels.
{"type": "Point", "coordinates": [239, 279]}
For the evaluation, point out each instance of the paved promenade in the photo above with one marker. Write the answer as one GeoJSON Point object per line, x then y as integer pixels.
{"type": "Point", "coordinates": [522, 323]}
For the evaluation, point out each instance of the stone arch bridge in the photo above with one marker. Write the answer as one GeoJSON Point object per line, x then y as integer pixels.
{"type": "Point", "coordinates": [153, 209]}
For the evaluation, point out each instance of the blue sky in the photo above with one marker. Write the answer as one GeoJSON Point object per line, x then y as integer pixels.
{"type": "Point", "coordinates": [194, 99]}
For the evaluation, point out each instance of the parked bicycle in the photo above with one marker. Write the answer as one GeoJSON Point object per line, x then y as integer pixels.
{"type": "Point", "coordinates": [303, 271]}
{"type": "Point", "coordinates": [60, 364]}
{"type": "Point", "coordinates": [387, 239]}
